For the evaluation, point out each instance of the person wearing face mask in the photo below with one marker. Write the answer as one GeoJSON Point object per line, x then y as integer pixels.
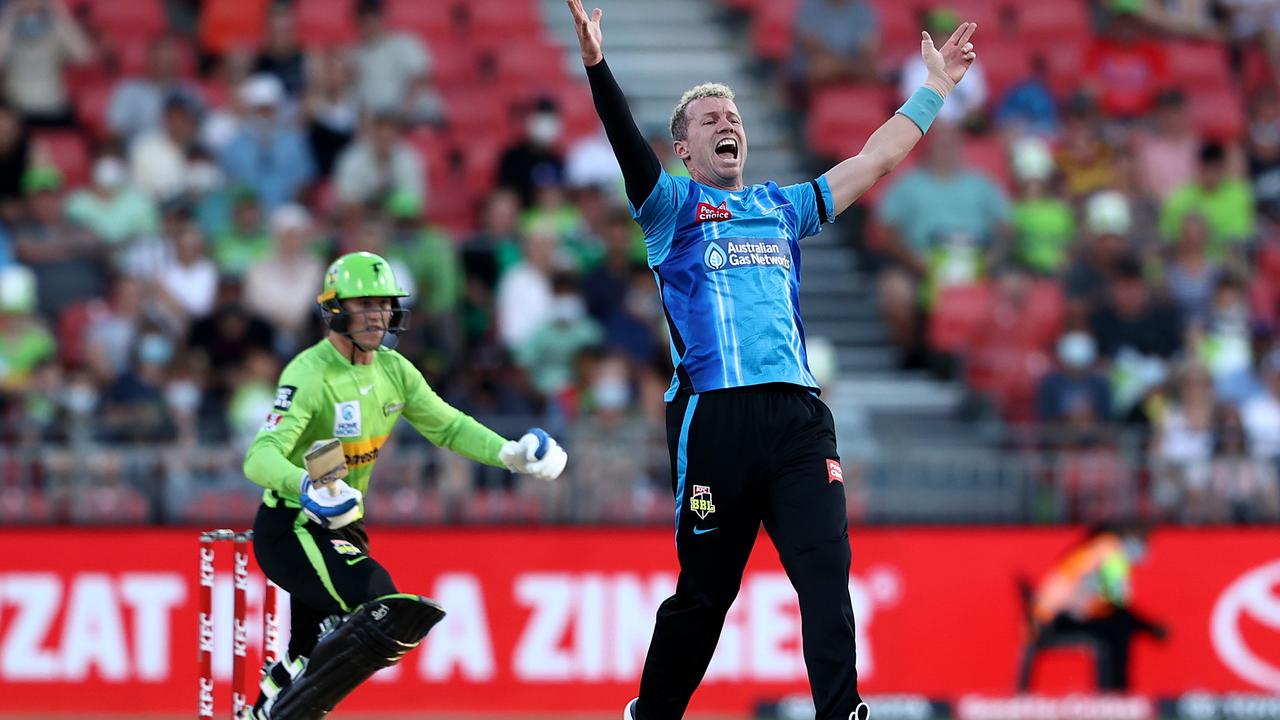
{"type": "Point", "coordinates": [111, 209]}
{"type": "Point", "coordinates": [380, 164]}
{"type": "Point", "coordinates": [752, 441]}
{"type": "Point", "coordinates": [1224, 343]}
{"type": "Point", "coordinates": [1088, 595]}
{"type": "Point", "coordinates": [1076, 380]}
{"type": "Point", "coordinates": [534, 161]}
{"type": "Point", "coordinates": [351, 389]}
{"type": "Point", "coordinates": [133, 405]}
{"type": "Point", "coordinates": [548, 353]}
{"type": "Point", "coordinates": [267, 153]}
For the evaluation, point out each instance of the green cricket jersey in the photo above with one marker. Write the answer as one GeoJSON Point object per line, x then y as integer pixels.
{"type": "Point", "coordinates": [322, 395]}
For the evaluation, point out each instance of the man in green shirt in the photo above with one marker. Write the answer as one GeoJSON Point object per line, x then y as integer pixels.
{"type": "Point", "coordinates": [309, 537]}
{"type": "Point", "coordinates": [1225, 202]}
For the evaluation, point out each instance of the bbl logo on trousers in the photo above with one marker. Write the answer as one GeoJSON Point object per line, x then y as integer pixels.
{"type": "Point", "coordinates": [700, 501]}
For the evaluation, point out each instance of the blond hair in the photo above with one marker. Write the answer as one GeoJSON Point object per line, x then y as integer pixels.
{"type": "Point", "coordinates": [679, 117]}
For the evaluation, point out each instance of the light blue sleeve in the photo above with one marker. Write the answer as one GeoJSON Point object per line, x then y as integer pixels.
{"type": "Point", "coordinates": [810, 214]}
{"type": "Point", "coordinates": [657, 216]}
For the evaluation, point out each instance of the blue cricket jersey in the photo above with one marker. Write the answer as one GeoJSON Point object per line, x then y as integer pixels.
{"type": "Point", "coordinates": [728, 269]}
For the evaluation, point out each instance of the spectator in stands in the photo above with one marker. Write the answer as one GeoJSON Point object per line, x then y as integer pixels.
{"type": "Point", "coordinates": [1166, 156]}
{"type": "Point", "coordinates": [1087, 162]}
{"type": "Point", "coordinates": [1183, 446]}
{"type": "Point", "coordinates": [331, 107]}
{"type": "Point", "coordinates": [600, 287]}
{"type": "Point", "coordinates": [430, 258]}
{"type": "Point", "coordinates": [1226, 203]}
{"type": "Point", "coordinates": [1107, 224]}
{"type": "Point", "coordinates": [138, 104]}
{"type": "Point", "coordinates": [228, 336]}
{"type": "Point", "coordinates": [247, 240]}
{"type": "Point", "coordinates": [159, 159]}
{"type": "Point", "coordinates": [1078, 388]}
{"type": "Point", "coordinates": [25, 342]}
{"type": "Point", "coordinates": [1126, 69]}
{"type": "Point", "coordinates": [632, 328]}
{"type": "Point", "coordinates": [228, 109]}
{"type": "Point", "coordinates": [112, 336]}
{"type": "Point", "coordinates": [524, 297]}
{"type": "Point", "coordinates": [110, 208]}
{"type": "Point", "coordinates": [189, 280]}
{"type": "Point", "coordinates": [267, 153]}
{"type": "Point", "coordinates": [941, 223]}
{"type": "Point", "coordinates": [1137, 334]}
{"type": "Point", "coordinates": [533, 162]}
{"type": "Point", "coordinates": [37, 40]}
{"type": "Point", "coordinates": [67, 261]}
{"type": "Point", "coordinates": [1255, 22]}
{"type": "Point", "coordinates": [281, 55]}
{"type": "Point", "coordinates": [16, 156]}
{"type": "Point", "coordinates": [835, 41]}
{"type": "Point", "coordinates": [133, 406]}
{"type": "Point", "coordinates": [1243, 487]}
{"type": "Point", "coordinates": [548, 352]}
{"type": "Point", "coordinates": [1261, 412]}
{"type": "Point", "coordinates": [965, 105]}
{"type": "Point", "coordinates": [290, 304]}
{"type": "Point", "coordinates": [393, 69]}
{"type": "Point", "coordinates": [1029, 106]}
{"type": "Point", "coordinates": [1224, 342]}
{"type": "Point", "coordinates": [1191, 275]}
{"type": "Point", "coordinates": [495, 247]}
{"type": "Point", "coordinates": [252, 397]}
{"type": "Point", "coordinates": [1263, 144]}
{"type": "Point", "coordinates": [1193, 18]}
{"type": "Point", "coordinates": [1044, 227]}
{"type": "Point", "coordinates": [379, 164]}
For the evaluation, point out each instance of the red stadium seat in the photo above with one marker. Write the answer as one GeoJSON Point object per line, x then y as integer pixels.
{"type": "Point", "coordinates": [73, 325]}
{"type": "Point", "coordinates": [772, 29]}
{"type": "Point", "coordinates": [228, 24]}
{"type": "Point", "coordinates": [504, 18]}
{"type": "Point", "coordinates": [1200, 65]}
{"type": "Point", "coordinates": [1055, 23]}
{"type": "Point", "coordinates": [92, 102]}
{"type": "Point", "coordinates": [476, 110]}
{"type": "Point", "coordinates": [24, 505]}
{"type": "Point", "coordinates": [1217, 113]}
{"type": "Point", "coordinates": [1004, 64]}
{"type": "Point", "coordinates": [219, 504]}
{"type": "Point", "coordinates": [134, 19]}
{"type": "Point", "coordinates": [69, 152]}
{"type": "Point", "coordinates": [112, 504]}
{"type": "Point", "coordinates": [842, 118]}
{"type": "Point", "coordinates": [988, 156]}
{"type": "Point", "coordinates": [326, 22]}
{"type": "Point", "coordinates": [454, 64]}
{"type": "Point", "coordinates": [958, 313]}
{"type": "Point", "coordinates": [1066, 64]}
{"type": "Point", "coordinates": [428, 19]}
{"type": "Point", "coordinates": [452, 206]}
{"type": "Point", "coordinates": [528, 60]}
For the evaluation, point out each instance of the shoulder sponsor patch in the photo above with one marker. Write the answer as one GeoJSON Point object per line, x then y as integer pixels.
{"type": "Point", "coordinates": [710, 213]}
{"type": "Point", "coordinates": [346, 419]}
{"type": "Point", "coordinates": [392, 408]}
{"type": "Point", "coordinates": [284, 397]}
{"type": "Point", "coordinates": [271, 423]}
{"type": "Point", "coordinates": [834, 472]}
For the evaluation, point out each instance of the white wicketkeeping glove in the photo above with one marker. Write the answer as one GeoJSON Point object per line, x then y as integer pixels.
{"type": "Point", "coordinates": [536, 454]}
{"type": "Point", "coordinates": [331, 505]}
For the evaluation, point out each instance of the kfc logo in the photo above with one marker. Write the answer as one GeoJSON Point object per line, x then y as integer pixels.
{"type": "Point", "coordinates": [1248, 604]}
{"type": "Point", "coordinates": [710, 213]}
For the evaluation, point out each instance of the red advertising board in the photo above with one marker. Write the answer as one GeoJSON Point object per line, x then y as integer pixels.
{"type": "Point", "coordinates": [558, 620]}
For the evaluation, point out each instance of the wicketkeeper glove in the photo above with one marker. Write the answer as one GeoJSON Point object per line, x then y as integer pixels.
{"type": "Point", "coordinates": [536, 454]}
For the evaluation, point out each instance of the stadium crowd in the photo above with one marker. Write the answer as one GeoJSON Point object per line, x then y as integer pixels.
{"type": "Point", "coordinates": [1086, 243]}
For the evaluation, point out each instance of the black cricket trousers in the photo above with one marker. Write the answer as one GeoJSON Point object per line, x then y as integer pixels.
{"type": "Point", "coordinates": [741, 457]}
{"type": "Point", "coordinates": [326, 572]}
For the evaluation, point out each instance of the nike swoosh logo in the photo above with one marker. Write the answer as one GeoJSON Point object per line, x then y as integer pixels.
{"type": "Point", "coordinates": [703, 531]}
{"type": "Point", "coordinates": [353, 561]}
{"type": "Point", "coordinates": [365, 390]}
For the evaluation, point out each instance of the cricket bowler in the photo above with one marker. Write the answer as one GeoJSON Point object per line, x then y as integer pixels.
{"type": "Point", "coordinates": [750, 441]}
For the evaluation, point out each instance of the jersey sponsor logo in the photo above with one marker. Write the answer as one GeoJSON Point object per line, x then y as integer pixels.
{"type": "Point", "coordinates": [721, 254]}
{"type": "Point", "coordinates": [343, 547]}
{"type": "Point", "coordinates": [284, 397]}
{"type": "Point", "coordinates": [272, 422]}
{"type": "Point", "coordinates": [363, 452]}
{"type": "Point", "coordinates": [710, 213]}
{"type": "Point", "coordinates": [364, 390]}
{"type": "Point", "coordinates": [834, 472]}
{"type": "Point", "coordinates": [346, 419]}
{"type": "Point", "coordinates": [392, 408]}
{"type": "Point", "coordinates": [700, 502]}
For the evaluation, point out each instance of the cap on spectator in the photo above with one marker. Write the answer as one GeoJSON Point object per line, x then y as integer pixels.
{"type": "Point", "coordinates": [109, 173]}
{"type": "Point", "coordinates": [404, 205]}
{"type": "Point", "coordinates": [289, 217]}
{"type": "Point", "coordinates": [1125, 7]}
{"type": "Point", "coordinates": [42, 178]}
{"type": "Point", "coordinates": [1032, 159]}
{"type": "Point", "coordinates": [262, 90]}
{"type": "Point", "coordinates": [1107, 213]}
{"type": "Point", "coordinates": [941, 19]}
{"type": "Point", "coordinates": [17, 290]}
